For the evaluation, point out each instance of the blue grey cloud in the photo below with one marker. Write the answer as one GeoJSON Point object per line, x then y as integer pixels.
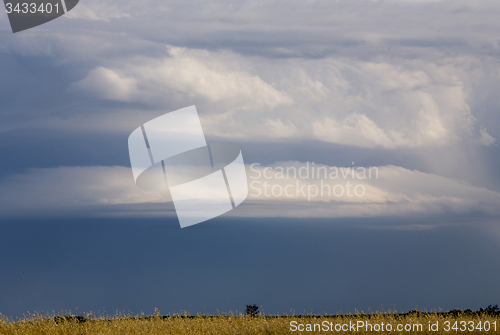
{"type": "Point", "coordinates": [402, 83]}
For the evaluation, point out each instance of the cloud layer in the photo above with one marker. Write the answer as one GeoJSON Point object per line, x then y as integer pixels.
{"type": "Point", "coordinates": [389, 76]}
{"type": "Point", "coordinates": [400, 104]}
{"type": "Point", "coordinates": [286, 189]}
{"type": "Point", "coordinates": [389, 83]}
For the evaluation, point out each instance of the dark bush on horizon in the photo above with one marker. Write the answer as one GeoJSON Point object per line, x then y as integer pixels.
{"type": "Point", "coordinates": [252, 310]}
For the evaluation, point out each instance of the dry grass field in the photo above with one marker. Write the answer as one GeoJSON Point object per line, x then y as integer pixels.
{"type": "Point", "coordinates": [376, 323]}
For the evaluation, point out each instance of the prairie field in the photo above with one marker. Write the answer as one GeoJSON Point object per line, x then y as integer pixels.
{"type": "Point", "coordinates": [377, 323]}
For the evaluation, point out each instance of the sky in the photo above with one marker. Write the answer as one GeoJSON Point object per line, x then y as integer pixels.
{"type": "Point", "coordinates": [405, 89]}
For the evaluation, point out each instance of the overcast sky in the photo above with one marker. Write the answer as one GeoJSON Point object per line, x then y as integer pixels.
{"type": "Point", "coordinates": [408, 87]}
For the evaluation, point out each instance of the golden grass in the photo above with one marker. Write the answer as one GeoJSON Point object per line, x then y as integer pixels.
{"type": "Point", "coordinates": [238, 324]}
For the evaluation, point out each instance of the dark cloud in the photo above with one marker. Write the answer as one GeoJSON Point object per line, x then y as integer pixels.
{"type": "Point", "coordinates": [326, 266]}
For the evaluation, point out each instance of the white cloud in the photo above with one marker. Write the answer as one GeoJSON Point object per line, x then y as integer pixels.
{"type": "Point", "coordinates": [356, 130]}
{"type": "Point", "coordinates": [366, 81]}
{"type": "Point", "coordinates": [396, 192]}
{"type": "Point", "coordinates": [111, 191]}
{"type": "Point", "coordinates": [366, 104]}
{"type": "Point", "coordinates": [57, 190]}
{"type": "Point", "coordinates": [107, 84]}
{"type": "Point", "coordinates": [486, 139]}
{"type": "Point", "coordinates": [186, 74]}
